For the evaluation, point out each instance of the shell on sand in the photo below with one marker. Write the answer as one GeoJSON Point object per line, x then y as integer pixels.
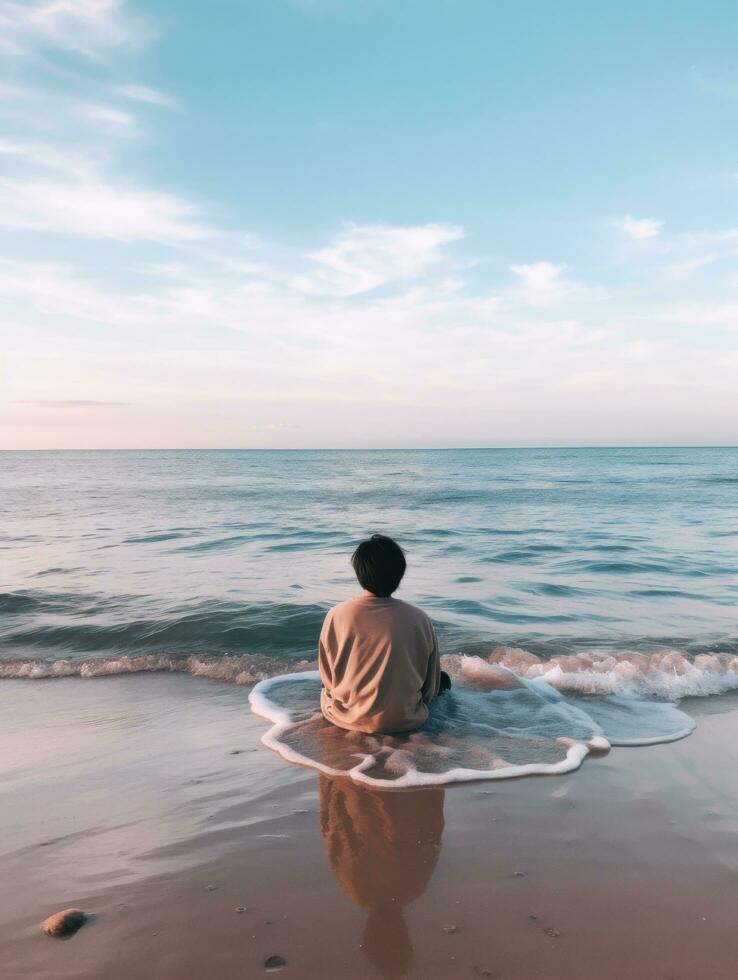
{"type": "Point", "coordinates": [64, 924]}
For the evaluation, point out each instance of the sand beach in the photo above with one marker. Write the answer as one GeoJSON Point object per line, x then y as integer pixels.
{"type": "Point", "coordinates": [149, 802]}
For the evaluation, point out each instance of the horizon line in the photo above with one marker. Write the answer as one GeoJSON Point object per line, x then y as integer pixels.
{"type": "Point", "coordinates": [359, 449]}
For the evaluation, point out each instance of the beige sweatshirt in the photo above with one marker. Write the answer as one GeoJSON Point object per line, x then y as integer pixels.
{"type": "Point", "coordinates": [379, 665]}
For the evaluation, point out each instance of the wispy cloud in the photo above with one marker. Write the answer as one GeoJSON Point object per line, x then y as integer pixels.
{"type": "Point", "coordinates": [704, 315]}
{"type": "Point", "coordinates": [639, 228]}
{"type": "Point", "coordinates": [98, 209]}
{"type": "Point", "coordinates": [68, 403]}
{"type": "Point", "coordinates": [106, 115]}
{"type": "Point", "coordinates": [687, 268]}
{"type": "Point", "coordinates": [41, 155]}
{"type": "Point", "coordinates": [60, 291]}
{"type": "Point", "coordinates": [58, 153]}
{"type": "Point", "coordinates": [88, 27]}
{"type": "Point", "coordinates": [150, 96]}
{"type": "Point", "coordinates": [364, 257]}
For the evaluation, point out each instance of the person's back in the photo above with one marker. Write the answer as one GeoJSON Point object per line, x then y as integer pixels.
{"type": "Point", "coordinates": [378, 656]}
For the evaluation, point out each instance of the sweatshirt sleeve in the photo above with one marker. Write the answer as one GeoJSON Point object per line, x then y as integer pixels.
{"type": "Point", "coordinates": [432, 682]}
{"type": "Point", "coordinates": [324, 659]}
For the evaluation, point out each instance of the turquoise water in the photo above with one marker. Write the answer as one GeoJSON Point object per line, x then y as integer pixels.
{"type": "Point", "coordinates": [225, 562]}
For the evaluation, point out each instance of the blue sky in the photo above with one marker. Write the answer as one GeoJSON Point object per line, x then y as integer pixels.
{"type": "Point", "coordinates": [368, 223]}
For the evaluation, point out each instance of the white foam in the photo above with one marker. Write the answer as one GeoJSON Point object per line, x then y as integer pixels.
{"type": "Point", "coordinates": [287, 721]}
{"type": "Point", "coordinates": [513, 715]}
{"type": "Point", "coordinates": [240, 670]}
{"type": "Point", "coordinates": [666, 674]}
{"type": "Point", "coordinates": [491, 713]}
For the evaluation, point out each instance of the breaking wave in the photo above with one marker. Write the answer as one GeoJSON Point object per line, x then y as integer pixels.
{"type": "Point", "coordinates": [666, 674]}
{"type": "Point", "coordinates": [233, 670]}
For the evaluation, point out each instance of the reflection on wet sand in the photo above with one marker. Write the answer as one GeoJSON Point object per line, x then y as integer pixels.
{"type": "Point", "coordinates": [383, 848]}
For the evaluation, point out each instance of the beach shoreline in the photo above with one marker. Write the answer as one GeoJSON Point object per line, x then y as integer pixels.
{"type": "Point", "coordinates": [149, 802]}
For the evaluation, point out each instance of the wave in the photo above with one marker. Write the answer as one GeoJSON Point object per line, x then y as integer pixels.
{"type": "Point", "coordinates": [156, 537]}
{"type": "Point", "coordinates": [622, 567]}
{"type": "Point", "coordinates": [667, 674]}
{"type": "Point", "coordinates": [664, 675]}
{"type": "Point", "coordinates": [556, 590]}
{"type": "Point", "coordinates": [101, 624]}
{"type": "Point", "coordinates": [18, 602]}
{"type": "Point", "coordinates": [216, 544]}
{"type": "Point", "coordinates": [241, 670]}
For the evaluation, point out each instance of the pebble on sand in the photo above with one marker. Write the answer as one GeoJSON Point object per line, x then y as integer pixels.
{"type": "Point", "coordinates": [64, 924]}
{"type": "Point", "coordinates": [272, 964]}
{"type": "Point", "coordinates": [450, 930]}
{"type": "Point", "coordinates": [553, 933]}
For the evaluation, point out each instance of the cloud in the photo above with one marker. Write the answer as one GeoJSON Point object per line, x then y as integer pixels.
{"type": "Point", "coordinates": [105, 115]}
{"type": "Point", "coordinates": [63, 191]}
{"type": "Point", "coordinates": [720, 315]}
{"type": "Point", "coordinates": [60, 159]}
{"type": "Point", "coordinates": [87, 27]}
{"type": "Point", "coordinates": [713, 237]}
{"type": "Point", "coordinates": [67, 402]}
{"type": "Point", "coordinates": [98, 208]}
{"type": "Point", "coordinates": [364, 257]}
{"type": "Point", "coordinates": [542, 281]}
{"type": "Point", "coordinates": [58, 291]}
{"type": "Point", "coordinates": [686, 268]}
{"type": "Point", "coordinates": [639, 228]}
{"type": "Point", "coordinates": [214, 354]}
{"type": "Point", "coordinates": [57, 160]}
{"type": "Point", "coordinates": [212, 337]}
{"type": "Point", "coordinates": [150, 96]}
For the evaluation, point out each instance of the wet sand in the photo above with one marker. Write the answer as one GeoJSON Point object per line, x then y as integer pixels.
{"type": "Point", "coordinates": [149, 802]}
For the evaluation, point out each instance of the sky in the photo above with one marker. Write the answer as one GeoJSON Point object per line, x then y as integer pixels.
{"type": "Point", "coordinates": [368, 223]}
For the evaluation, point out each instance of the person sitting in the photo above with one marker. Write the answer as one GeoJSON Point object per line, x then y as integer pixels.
{"type": "Point", "coordinates": [378, 656]}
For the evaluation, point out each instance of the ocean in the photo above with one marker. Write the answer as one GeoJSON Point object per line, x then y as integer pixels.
{"type": "Point", "coordinates": [603, 570]}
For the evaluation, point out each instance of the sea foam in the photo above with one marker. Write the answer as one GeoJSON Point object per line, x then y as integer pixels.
{"type": "Point", "coordinates": [665, 674]}
{"type": "Point", "coordinates": [241, 670]}
{"type": "Point", "coordinates": [493, 724]}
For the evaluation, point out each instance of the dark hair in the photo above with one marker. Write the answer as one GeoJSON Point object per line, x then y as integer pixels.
{"type": "Point", "coordinates": [379, 564]}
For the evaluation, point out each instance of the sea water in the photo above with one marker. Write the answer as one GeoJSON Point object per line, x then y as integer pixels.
{"type": "Point", "coordinates": [608, 575]}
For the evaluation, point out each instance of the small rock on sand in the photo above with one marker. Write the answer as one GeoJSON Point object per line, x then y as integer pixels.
{"type": "Point", "coordinates": [450, 930]}
{"type": "Point", "coordinates": [272, 964]}
{"type": "Point", "coordinates": [64, 924]}
{"type": "Point", "coordinates": [553, 933]}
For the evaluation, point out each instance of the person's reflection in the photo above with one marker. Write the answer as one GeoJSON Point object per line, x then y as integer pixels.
{"type": "Point", "coordinates": [383, 848]}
